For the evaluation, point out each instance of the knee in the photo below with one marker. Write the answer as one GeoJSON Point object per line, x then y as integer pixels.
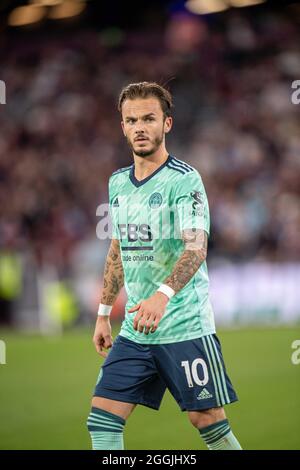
{"type": "Point", "coordinates": [201, 419]}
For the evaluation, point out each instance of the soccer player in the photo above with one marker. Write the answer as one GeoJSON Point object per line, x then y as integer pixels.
{"type": "Point", "coordinates": [160, 221]}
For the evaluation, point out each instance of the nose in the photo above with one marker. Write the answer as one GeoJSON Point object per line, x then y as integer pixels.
{"type": "Point", "coordinates": [139, 128]}
{"type": "Point", "coordinates": [139, 131]}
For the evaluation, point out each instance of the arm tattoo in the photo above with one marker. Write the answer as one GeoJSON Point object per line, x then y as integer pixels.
{"type": "Point", "coordinates": [194, 254]}
{"type": "Point", "coordinates": [113, 274]}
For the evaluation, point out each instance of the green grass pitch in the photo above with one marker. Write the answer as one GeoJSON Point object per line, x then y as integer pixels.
{"type": "Point", "coordinates": [46, 385]}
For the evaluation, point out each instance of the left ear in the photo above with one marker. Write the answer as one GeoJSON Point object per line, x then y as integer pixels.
{"type": "Point", "coordinates": [168, 124]}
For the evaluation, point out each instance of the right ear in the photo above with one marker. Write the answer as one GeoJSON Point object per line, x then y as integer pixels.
{"type": "Point", "coordinates": [123, 128]}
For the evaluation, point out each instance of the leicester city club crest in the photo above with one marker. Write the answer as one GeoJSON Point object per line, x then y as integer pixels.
{"type": "Point", "coordinates": [155, 200]}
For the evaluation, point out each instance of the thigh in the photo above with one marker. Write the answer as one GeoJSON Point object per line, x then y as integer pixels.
{"type": "Point", "coordinates": [195, 373]}
{"type": "Point", "coordinates": [118, 408]}
{"type": "Point", "coordinates": [129, 375]}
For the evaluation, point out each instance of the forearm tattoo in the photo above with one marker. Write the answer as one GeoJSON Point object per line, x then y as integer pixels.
{"type": "Point", "coordinates": [113, 274]}
{"type": "Point", "coordinates": [189, 262]}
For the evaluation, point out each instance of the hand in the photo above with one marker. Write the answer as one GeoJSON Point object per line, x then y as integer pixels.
{"type": "Point", "coordinates": [102, 338]}
{"type": "Point", "coordinates": [150, 312]}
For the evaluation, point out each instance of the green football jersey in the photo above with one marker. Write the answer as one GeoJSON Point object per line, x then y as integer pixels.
{"type": "Point", "coordinates": [148, 217]}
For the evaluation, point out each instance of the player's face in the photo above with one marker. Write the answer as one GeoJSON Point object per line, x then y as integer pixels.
{"type": "Point", "coordinates": [144, 125]}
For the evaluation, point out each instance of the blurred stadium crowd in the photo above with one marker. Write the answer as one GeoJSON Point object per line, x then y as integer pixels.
{"type": "Point", "coordinates": [234, 121]}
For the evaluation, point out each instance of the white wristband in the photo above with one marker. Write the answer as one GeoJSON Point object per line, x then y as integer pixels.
{"type": "Point", "coordinates": [168, 291]}
{"type": "Point", "coordinates": [104, 310]}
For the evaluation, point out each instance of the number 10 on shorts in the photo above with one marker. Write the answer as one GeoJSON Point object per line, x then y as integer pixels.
{"type": "Point", "coordinates": [191, 372]}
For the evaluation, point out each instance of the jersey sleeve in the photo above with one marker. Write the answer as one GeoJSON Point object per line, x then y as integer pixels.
{"type": "Point", "coordinates": [113, 210]}
{"type": "Point", "coordinates": [191, 204]}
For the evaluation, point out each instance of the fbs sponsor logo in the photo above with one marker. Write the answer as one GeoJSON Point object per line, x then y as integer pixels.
{"type": "Point", "coordinates": [204, 395]}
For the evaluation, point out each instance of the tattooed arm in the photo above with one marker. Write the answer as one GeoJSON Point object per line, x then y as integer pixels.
{"type": "Point", "coordinates": [112, 284]}
{"type": "Point", "coordinates": [194, 254]}
{"type": "Point", "coordinates": [113, 274]}
{"type": "Point", "coordinates": [151, 310]}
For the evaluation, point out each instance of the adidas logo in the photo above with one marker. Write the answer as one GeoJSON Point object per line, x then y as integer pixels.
{"type": "Point", "coordinates": [116, 202]}
{"type": "Point", "coordinates": [204, 394]}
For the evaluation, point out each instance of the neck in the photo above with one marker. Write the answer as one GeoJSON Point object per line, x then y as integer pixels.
{"type": "Point", "coordinates": [144, 166]}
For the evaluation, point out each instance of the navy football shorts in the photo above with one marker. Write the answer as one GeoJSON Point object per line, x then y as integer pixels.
{"type": "Point", "coordinates": [193, 371]}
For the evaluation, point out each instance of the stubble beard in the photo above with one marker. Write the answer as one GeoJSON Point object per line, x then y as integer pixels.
{"type": "Point", "coordinates": [146, 153]}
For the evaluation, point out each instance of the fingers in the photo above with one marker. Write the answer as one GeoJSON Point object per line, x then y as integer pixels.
{"type": "Point", "coordinates": [155, 325]}
{"type": "Point", "coordinates": [101, 343]}
{"type": "Point", "coordinates": [148, 324]}
{"type": "Point", "coordinates": [137, 318]}
{"type": "Point", "coordinates": [108, 342]}
{"type": "Point", "coordinates": [103, 354]}
{"type": "Point", "coordinates": [134, 308]}
{"type": "Point", "coordinates": [98, 348]}
{"type": "Point", "coordinates": [144, 323]}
